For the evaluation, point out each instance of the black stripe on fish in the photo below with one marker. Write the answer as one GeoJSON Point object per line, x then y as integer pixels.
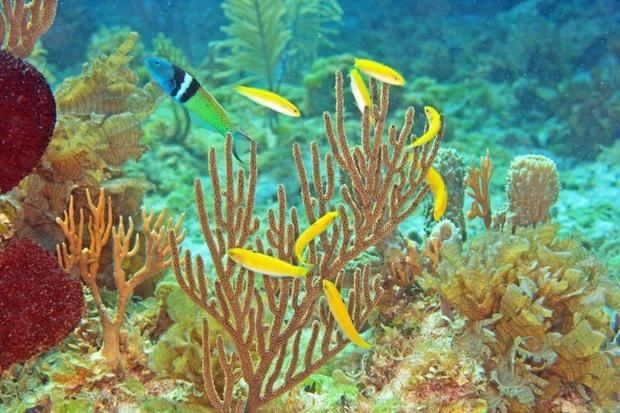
{"type": "Point", "coordinates": [178, 77]}
{"type": "Point", "coordinates": [190, 91]}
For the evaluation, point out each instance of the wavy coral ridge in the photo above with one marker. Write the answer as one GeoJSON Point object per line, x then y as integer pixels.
{"type": "Point", "coordinates": [28, 117]}
{"type": "Point", "coordinates": [39, 303]}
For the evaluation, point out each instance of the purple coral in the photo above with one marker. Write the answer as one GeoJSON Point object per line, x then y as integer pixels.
{"type": "Point", "coordinates": [28, 117]}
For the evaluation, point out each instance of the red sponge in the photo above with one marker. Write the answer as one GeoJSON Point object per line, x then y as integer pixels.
{"type": "Point", "coordinates": [27, 119]}
{"type": "Point", "coordinates": [40, 304]}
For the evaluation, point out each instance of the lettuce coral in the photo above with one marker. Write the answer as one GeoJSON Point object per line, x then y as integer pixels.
{"type": "Point", "coordinates": [99, 129]}
{"type": "Point", "coordinates": [535, 316]}
{"type": "Point", "coordinates": [28, 102]}
{"type": "Point", "coordinates": [40, 304]}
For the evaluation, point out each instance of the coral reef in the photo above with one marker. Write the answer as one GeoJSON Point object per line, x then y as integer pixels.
{"type": "Point", "coordinates": [534, 304]}
{"type": "Point", "coordinates": [477, 181]}
{"type": "Point", "coordinates": [28, 103]}
{"type": "Point", "coordinates": [74, 255]}
{"type": "Point", "coordinates": [40, 304]}
{"type": "Point", "coordinates": [98, 130]}
{"type": "Point", "coordinates": [22, 24]}
{"type": "Point", "coordinates": [252, 23]}
{"type": "Point", "coordinates": [532, 188]}
{"type": "Point", "coordinates": [534, 308]}
{"type": "Point", "coordinates": [268, 356]}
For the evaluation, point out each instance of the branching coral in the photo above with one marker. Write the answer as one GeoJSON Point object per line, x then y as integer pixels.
{"type": "Point", "coordinates": [22, 24]}
{"type": "Point", "coordinates": [28, 118]}
{"type": "Point", "coordinates": [266, 330]}
{"type": "Point", "coordinates": [39, 303]}
{"type": "Point", "coordinates": [477, 180]}
{"type": "Point", "coordinates": [74, 255]}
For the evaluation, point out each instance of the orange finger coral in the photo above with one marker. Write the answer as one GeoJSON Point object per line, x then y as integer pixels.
{"type": "Point", "coordinates": [74, 254]}
{"type": "Point", "coordinates": [477, 181]}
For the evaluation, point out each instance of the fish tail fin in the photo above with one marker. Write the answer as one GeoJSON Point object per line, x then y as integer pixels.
{"type": "Point", "coordinates": [242, 143]}
{"type": "Point", "coordinates": [309, 267]}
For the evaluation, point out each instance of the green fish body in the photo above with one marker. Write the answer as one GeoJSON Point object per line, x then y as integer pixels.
{"type": "Point", "coordinates": [204, 109]}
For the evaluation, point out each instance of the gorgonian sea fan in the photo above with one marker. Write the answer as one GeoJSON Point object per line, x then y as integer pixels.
{"type": "Point", "coordinates": [40, 304]}
{"type": "Point", "coordinates": [27, 119]}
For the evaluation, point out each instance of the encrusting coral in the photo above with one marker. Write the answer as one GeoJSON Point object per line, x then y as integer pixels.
{"type": "Point", "coordinates": [39, 303]}
{"type": "Point", "coordinates": [74, 255]}
{"type": "Point", "coordinates": [266, 330]}
{"type": "Point", "coordinates": [21, 25]}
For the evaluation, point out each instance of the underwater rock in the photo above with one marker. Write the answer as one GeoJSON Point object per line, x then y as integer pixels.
{"type": "Point", "coordinates": [28, 102]}
{"type": "Point", "coordinates": [40, 304]}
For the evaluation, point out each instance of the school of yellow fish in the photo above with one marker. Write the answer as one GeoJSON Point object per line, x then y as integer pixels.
{"type": "Point", "coordinates": [274, 267]}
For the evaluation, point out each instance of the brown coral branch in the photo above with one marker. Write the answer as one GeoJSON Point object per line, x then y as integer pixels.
{"type": "Point", "coordinates": [21, 25]}
{"type": "Point", "coordinates": [478, 181]}
{"type": "Point", "coordinates": [157, 252]}
{"type": "Point", "coordinates": [265, 327]}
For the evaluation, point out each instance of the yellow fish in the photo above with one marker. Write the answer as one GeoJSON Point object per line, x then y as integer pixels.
{"type": "Point", "coordinates": [434, 125]}
{"type": "Point", "coordinates": [360, 91]}
{"type": "Point", "coordinates": [312, 232]}
{"type": "Point", "coordinates": [269, 99]}
{"type": "Point", "coordinates": [440, 193]}
{"type": "Point", "coordinates": [264, 264]}
{"type": "Point", "coordinates": [340, 313]}
{"type": "Point", "coordinates": [380, 72]}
